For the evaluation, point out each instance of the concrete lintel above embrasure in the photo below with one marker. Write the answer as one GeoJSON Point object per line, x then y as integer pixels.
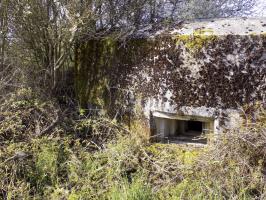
{"type": "Point", "coordinates": [179, 116]}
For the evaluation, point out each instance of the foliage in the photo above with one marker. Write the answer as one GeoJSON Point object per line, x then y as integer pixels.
{"type": "Point", "coordinates": [234, 165]}
{"type": "Point", "coordinates": [40, 37]}
{"type": "Point", "coordinates": [126, 165]}
{"type": "Point", "coordinates": [212, 9]}
{"type": "Point", "coordinates": [46, 153]}
{"type": "Point", "coordinates": [23, 115]}
{"type": "Point", "coordinates": [100, 130]}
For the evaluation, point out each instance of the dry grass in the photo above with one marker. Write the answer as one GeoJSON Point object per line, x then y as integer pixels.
{"type": "Point", "coordinates": [98, 158]}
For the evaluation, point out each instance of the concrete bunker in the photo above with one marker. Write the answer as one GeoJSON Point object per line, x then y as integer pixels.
{"type": "Point", "coordinates": [176, 128]}
{"type": "Point", "coordinates": [186, 81]}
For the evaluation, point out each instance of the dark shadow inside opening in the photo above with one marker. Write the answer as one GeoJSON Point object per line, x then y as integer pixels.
{"type": "Point", "coordinates": [196, 126]}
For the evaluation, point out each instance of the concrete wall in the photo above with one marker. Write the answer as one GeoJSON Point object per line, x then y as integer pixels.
{"type": "Point", "coordinates": [207, 68]}
{"type": "Point", "coordinates": [224, 71]}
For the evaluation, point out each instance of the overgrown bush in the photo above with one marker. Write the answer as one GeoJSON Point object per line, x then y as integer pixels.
{"type": "Point", "coordinates": [233, 166]}
{"type": "Point", "coordinates": [97, 158]}
{"type": "Point", "coordinates": [99, 130]}
{"type": "Point", "coordinates": [23, 115]}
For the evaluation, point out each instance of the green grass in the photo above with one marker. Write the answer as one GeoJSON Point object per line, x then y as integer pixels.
{"type": "Point", "coordinates": [114, 163]}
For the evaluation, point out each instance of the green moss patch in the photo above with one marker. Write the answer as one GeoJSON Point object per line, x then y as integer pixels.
{"type": "Point", "coordinates": [199, 39]}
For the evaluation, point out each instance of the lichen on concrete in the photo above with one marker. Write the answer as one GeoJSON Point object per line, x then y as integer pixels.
{"type": "Point", "coordinates": [227, 71]}
{"type": "Point", "coordinates": [196, 41]}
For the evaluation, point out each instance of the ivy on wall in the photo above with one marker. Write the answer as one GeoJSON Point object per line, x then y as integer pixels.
{"type": "Point", "coordinates": [227, 71]}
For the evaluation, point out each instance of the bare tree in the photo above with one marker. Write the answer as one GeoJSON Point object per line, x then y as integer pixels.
{"type": "Point", "coordinates": [4, 4]}
{"type": "Point", "coordinates": [217, 8]}
{"type": "Point", "coordinates": [41, 33]}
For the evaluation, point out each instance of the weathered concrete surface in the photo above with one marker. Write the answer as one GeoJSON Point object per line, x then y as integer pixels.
{"type": "Point", "coordinates": [222, 74]}
{"type": "Point", "coordinates": [226, 26]}
{"type": "Point", "coordinates": [207, 68]}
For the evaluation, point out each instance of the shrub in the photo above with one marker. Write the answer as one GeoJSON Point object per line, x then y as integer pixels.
{"type": "Point", "coordinates": [102, 159]}
{"type": "Point", "coordinates": [24, 115]}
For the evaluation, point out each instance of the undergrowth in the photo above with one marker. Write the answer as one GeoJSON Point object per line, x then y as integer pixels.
{"type": "Point", "coordinates": [99, 158]}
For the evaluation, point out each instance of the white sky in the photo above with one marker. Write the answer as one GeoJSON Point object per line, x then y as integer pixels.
{"type": "Point", "coordinates": [261, 8]}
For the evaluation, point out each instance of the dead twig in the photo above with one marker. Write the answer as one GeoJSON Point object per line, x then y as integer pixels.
{"type": "Point", "coordinates": [52, 125]}
{"type": "Point", "coordinates": [18, 156]}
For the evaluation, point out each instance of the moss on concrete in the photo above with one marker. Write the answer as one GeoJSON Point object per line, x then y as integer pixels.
{"type": "Point", "coordinates": [92, 59]}
{"type": "Point", "coordinates": [199, 39]}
